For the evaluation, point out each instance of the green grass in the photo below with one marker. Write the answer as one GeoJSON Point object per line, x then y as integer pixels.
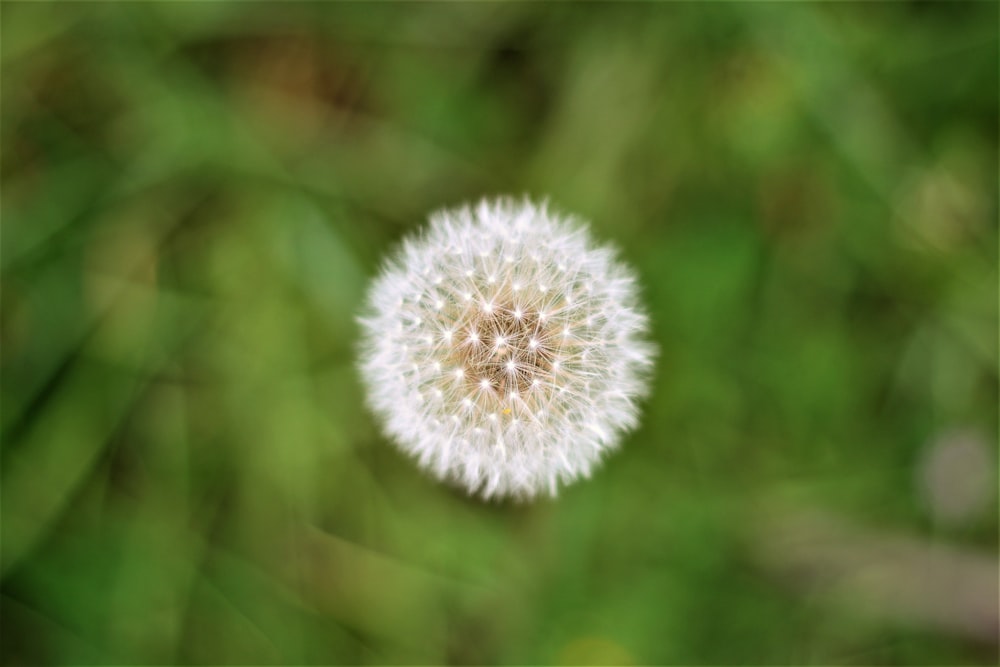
{"type": "Point", "coordinates": [195, 196]}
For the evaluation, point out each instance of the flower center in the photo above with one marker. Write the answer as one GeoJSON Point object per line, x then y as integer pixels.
{"type": "Point", "coordinates": [507, 349]}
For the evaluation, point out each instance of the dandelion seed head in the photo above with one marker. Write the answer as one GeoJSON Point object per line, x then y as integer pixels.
{"type": "Point", "coordinates": [544, 355]}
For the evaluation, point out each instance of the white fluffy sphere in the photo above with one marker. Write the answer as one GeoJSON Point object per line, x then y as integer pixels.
{"type": "Point", "coordinates": [504, 349]}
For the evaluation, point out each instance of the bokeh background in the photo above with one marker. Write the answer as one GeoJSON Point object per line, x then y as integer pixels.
{"type": "Point", "coordinates": [195, 196]}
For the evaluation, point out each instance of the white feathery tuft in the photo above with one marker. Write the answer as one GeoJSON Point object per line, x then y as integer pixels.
{"type": "Point", "coordinates": [504, 349]}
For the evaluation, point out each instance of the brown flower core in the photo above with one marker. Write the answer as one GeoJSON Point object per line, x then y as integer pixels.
{"type": "Point", "coordinates": [512, 350]}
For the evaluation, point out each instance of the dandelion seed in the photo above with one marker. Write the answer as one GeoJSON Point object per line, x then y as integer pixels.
{"type": "Point", "coordinates": [505, 349]}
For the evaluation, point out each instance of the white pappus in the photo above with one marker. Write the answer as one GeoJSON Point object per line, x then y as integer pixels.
{"type": "Point", "coordinates": [504, 349]}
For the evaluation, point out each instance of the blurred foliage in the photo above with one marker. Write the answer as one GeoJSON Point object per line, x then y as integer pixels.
{"type": "Point", "coordinates": [195, 195]}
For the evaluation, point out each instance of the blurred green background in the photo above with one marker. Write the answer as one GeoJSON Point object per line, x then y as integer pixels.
{"type": "Point", "coordinates": [195, 196]}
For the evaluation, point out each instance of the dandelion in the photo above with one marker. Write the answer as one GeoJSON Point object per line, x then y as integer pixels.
{"type": "Point", "coordinates": [504, 349]}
